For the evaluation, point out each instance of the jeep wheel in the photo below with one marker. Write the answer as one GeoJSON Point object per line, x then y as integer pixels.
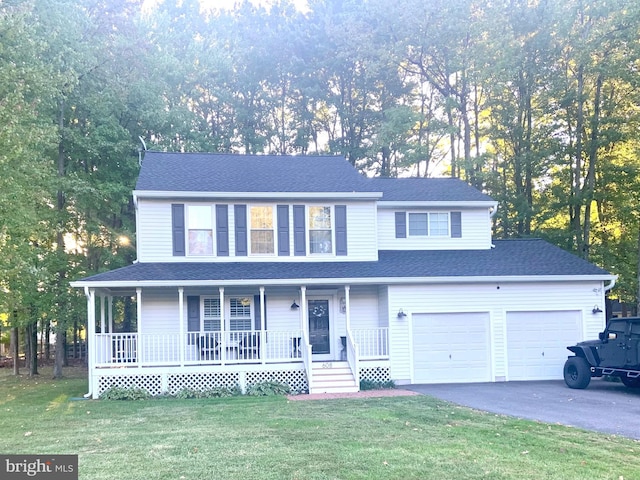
{"type": "Point", "coordinates": [577, 373]}
{"type": "Point", "coordinates": [631, 382]}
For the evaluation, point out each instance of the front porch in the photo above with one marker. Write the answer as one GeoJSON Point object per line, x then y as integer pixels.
{"type": "Point", "coordinates": [167, 353]}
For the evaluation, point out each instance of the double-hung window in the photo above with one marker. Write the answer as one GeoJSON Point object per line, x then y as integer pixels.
{"type": "Point", "coordinates": [418, 224]}
{"type": "Point", "coordinates": [240, 313]}
{"type": "Point", "coordinates": [211, 314]}
{"type": "Point", "coordinates": [200, 229]}
{"type": "Point", "coordinates": [438, 224]}
{"type": "Point", "coordinates": [262, 230]}
{"type": "Point", "coordinates": [320, 230]}
{"type": "Point", "coordinates": [432, 224]}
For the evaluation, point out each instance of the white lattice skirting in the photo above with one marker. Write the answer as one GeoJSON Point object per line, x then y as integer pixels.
{"type": "Point", "coordinates": [376, 374]}
{"type": "Point", "coordinates": [172, 383]}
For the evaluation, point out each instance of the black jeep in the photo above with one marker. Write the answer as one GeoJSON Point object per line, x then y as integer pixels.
{"type": "Point", "coordinates": [615, 354]}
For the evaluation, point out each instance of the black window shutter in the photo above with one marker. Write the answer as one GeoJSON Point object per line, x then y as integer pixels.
{"type": "Point", "coordinates": [341, 229]}
{"type": "Point", "coordinates": [193, 317]}
{"type": "Point", "coordinates": [177, 229]}
{"type": "Point", "coordinates": [456, 224]}
{"type": "Point", "coordinates": [240, 212]}
{"type": "Point", "coordinates": [222, 230]}
{"type": "Point", "coordinates": [299, 236]}
{"type": "Point", "coordinates": [257, 316]}
{"type": "Point", "coordinates": [401, 225]}
{"type": "Point", "coordinates": [283, 230]}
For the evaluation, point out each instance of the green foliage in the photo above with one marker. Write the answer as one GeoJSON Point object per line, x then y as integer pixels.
{"type": "Point", "coordinates": [217, 392]}
{"type": "Point", "coordinates": [267, 389]}
{"type": "Point", "coordinates": [121, 393]}
{"type": "Point", "coordinates": [366, 384]}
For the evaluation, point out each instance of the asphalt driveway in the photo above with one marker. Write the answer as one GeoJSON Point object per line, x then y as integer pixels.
{"type": "Point", "coordinates": [604, 406]}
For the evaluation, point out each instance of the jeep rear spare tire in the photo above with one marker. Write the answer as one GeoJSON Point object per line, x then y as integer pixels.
{"type": "Point", "coordinates": [577, 372]}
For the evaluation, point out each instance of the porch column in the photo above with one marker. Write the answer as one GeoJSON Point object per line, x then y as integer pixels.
{"type": "Point", "coordinates": [91, 337]}
{"type": "Point", "coordinates": [181, 342]}
{"type": "Point", "coordinates": [303, 311]}
{"type": "Point", "coordinates": [110, 304]}
{"type": "Point", "coordinates": [262, 335]}
{"type": "Point", "coordinates": [103, 300]}
{"type": "Point", "coordinates": [223, 346]}
{"type": "Point", "coordinates": [347, 307]}
{"type": "Point", "coordinates": [139, 325]}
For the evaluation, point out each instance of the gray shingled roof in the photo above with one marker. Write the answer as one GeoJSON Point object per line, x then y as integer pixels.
{"type": "Point", "coordinates": [428, 189]}
{"type": "Point", "coordinates": [509, 258]}
{"type": "Point", "coordinates": [221, 172]}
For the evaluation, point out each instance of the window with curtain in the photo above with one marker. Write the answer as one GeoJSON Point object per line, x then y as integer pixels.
{"type": "Point", "coordinates": [262, 230]}
{"type": "Point", "coordinates": [320, 230]}
{"type": "Point", "coordinates": [200, 229]}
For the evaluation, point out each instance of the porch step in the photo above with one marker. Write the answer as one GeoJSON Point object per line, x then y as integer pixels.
{"type": "Point", "coordinates": [332, 377]}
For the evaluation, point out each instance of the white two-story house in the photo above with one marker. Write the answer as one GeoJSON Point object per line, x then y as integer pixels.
{"type": "Point", "coordinates": [302, 271]}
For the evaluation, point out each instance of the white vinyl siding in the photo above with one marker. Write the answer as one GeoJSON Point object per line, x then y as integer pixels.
{"type": "Point", "coordinates": [154, 235]}
{"type": "Point", "coordinates": [496, 299]}
{"type": "Point", "coordinates": [476, 230]}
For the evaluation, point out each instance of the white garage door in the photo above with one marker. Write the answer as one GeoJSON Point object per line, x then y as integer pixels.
{"type": "Point", "coordinates": [451, 347]}
{"type": "Point", "coordinates": [537, 343]}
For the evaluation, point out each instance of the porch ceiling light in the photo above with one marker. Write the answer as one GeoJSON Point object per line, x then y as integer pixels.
{"type": "Point", "coordinates": [295, 306]}
{"type": "Point", "coordinates": [401, 314]}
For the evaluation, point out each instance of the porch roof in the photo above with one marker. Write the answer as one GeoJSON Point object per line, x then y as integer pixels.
{"type": "Point", "coordinates": [510, 260]}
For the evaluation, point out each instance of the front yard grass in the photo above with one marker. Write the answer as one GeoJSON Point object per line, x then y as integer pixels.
{"type": "Point", "coordinates": [273, 438]}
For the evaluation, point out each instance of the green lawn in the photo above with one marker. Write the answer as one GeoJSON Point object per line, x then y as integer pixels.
{"type": "Point", "coordinates": [273, 438]}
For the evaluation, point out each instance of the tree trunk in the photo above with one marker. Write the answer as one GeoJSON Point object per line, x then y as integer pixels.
{"type": "Point", "coordinates": [60, 326]}
{"type": "Point", "coordinates": [60, 355]}
{"type": "Point", "coordinates": [32, 348]}
{"type": "Point", "coordinates": [15, 350]}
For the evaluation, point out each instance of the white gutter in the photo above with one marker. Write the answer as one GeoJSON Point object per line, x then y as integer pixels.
{"type": "Point", "coordinates": [426, 203]}
{"type": "Point", "coordinates": [342, 280]}
{"type": "Point", "coordinates": [611, 285]}
{"type": "Point", "coordinates": [256, 195]}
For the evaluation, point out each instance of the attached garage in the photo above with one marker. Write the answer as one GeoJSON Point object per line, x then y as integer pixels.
{"type": "Point", "coordinates": [451, 347]}
{"type": "Point", "coordinates": [537, 343]}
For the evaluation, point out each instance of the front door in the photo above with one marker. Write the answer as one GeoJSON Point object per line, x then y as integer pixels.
{"type": "Point", "coordinates": [319, 326]}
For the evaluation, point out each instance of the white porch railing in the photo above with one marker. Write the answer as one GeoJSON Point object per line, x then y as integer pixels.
{"type": "Point", "coordinates": [373, 343]}
{"type": "Point", "coordinates": [247, 346]}
{"type": "Point", "coordinates": [151, 349]}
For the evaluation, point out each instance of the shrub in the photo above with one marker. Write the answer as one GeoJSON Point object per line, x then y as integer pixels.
{"type": "Point", "coordinates": [266, 389]}
{"type": "Point", "coordinates": [121, 393]}
{"type": "Point", "coordinates": [216, 392]}
{"type": "Point", "coordinates": [366, 384]}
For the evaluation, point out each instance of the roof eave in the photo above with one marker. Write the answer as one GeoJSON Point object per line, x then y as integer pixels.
{"type": "Point", "coordinates": [437, 203]}
{"type": "Point", "coordinates": [165, 194]}
{"type": "Point", "coordinates": [344, 281]}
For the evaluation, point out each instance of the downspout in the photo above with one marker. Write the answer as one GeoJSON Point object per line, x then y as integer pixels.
{"type": "Point", "coordinates": [90, 392]}
{"type": "Point", "coordinates": [611, 285]}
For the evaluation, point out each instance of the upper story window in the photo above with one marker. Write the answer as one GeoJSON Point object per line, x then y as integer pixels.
{"type": "Point", "coordinates": [428, 224]}
{"type": "Point", "coordinates": [320, 230]}
{"type": "Point", "coordinates": [200, 229]}
{"type": "Point", "coordinates": [262, 230]}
